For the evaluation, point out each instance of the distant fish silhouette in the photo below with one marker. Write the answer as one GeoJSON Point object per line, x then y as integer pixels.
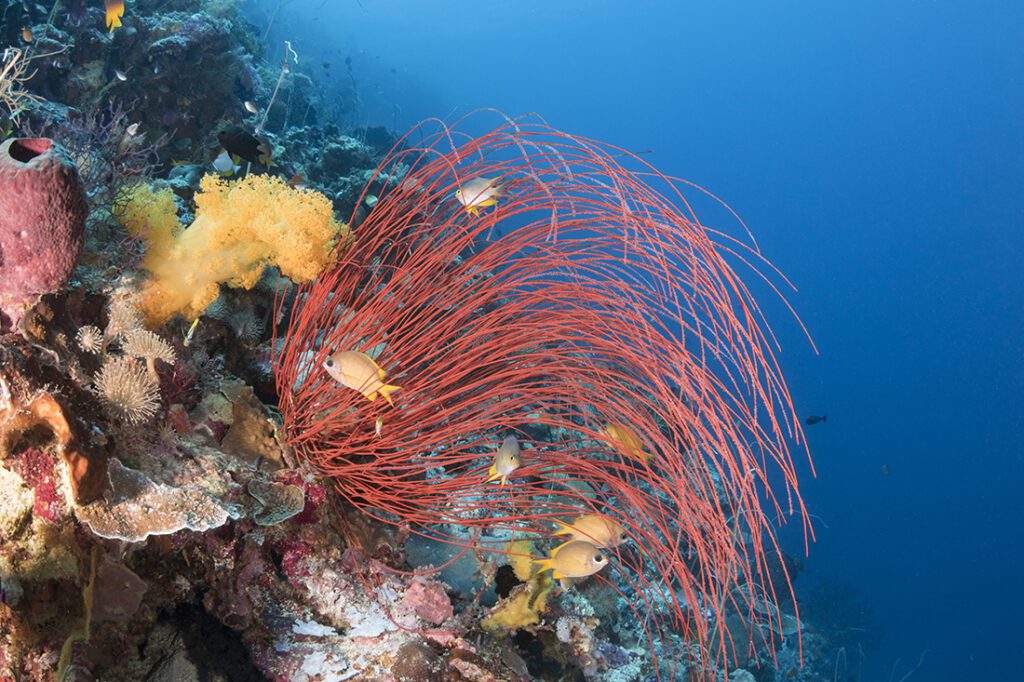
{"type": "Point", "coordinates": [886, 470]}
{"type": "Point", "coordinates": [814, 419]}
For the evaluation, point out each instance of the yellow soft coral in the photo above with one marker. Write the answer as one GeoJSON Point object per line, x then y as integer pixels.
{"type": "Point", "coordinates": [524, 605]}
{"type": "Point", "coordinates": [240, 227]}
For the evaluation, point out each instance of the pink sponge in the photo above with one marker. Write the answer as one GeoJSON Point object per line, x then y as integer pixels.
{"type": "Point", "coordinates": [42, 223]}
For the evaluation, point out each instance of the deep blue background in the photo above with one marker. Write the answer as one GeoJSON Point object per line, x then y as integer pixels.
{"type": "Point", "coordinates": [876, 149]}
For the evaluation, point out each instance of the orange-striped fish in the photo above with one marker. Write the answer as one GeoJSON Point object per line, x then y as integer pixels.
{"type": "Point", "coordinates": [115, 10]}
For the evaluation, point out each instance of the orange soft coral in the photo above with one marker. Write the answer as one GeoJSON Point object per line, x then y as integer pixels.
{"type": "Point", "coordinates": [240, 227]}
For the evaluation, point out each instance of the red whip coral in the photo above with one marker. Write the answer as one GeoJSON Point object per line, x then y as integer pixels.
{"type": "Point", "coordinates": [605, 302]}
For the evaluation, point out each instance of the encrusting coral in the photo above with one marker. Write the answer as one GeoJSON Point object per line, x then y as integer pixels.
{"type": "Point", "coordinates": [240, 227]}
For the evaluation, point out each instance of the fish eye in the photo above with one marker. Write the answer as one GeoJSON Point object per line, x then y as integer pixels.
{"type": "Point", "coordinates": [328, 362]}
{"type": "Point", "coordinates": [599, 558]}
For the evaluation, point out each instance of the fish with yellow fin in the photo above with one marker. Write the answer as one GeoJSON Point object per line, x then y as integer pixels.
{"type": "Point", "coordinates": [625, 440]}
{"type": "Point", "coordinates": [358, 371]}
{"type": "Point", "coordinates": [596, 529]}
{"type": "Point", "coordinates": [574, 559]}
{"type": "Point", "coordinates": [479, 193]}
{"type": "Point", "coordinates": [506, 460]}
{"type": "Point", "coordinates": [115, 10]}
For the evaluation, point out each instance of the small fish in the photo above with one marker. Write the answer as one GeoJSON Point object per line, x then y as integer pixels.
{"type": "Point", "coordinates": [191, 331]}
{"type": "Point", "coordinates": [596, 529]}
{"type": "Point", "coordinates": [370, 200]}
{"type": "Point", "coordinates": [26, 34]}
{"type": "Point", "coordinates": [378, 426]}
{"type": "Point", "coordinates": [226, 164]}
{"type": "Point", "coordinates": [243, 144]}
{"type": "Point", "coordinates": [115, 10]}
{"type": "Point", "coordinates": [327, 65]}
{"type": "Point", "coordinates": [626, 441]}
{"type": "Point", "coordinates": [815, 419]}
{"type": "Point", "coordinates": [251, 107]}
{"type": "Point", "coordinates": [132, 129]}
{"type": "Point", "coordinates": [358, 371]}
{"type": "Point", "coordinates": [574, 559]}
{"type": "Point", "coordinates": [886, 470]}
{"type": "Point", "coordinates": [506, 460]}
{"type": "Point", "coordinates": [298, 181]}
{"type": "Point", "coordinates": [479, 193]}
{"type": "Point", "coordinates": [120, 75]}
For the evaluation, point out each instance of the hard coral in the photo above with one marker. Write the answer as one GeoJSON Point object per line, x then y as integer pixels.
{"type": "Point", "coordinates": [240, 227]}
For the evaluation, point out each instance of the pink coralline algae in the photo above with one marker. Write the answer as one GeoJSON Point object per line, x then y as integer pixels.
{"type": "Point", "coordinates": [36, 468]}
{"type": "Point", "coordinates": [428, 600]}
{"type": "Point", "coordinates": [42, 223]}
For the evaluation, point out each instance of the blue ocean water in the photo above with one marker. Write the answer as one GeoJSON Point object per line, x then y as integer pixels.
{"type": "Point", "coordinates": [875, 149]}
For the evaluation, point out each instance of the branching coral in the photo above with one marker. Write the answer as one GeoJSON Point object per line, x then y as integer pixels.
{"type": "Point", "coordinates": [13, 95]}
{"type": "Point", "coordinates": [240, 227]}
{"type": "Point", "coordinates": [604, 302]}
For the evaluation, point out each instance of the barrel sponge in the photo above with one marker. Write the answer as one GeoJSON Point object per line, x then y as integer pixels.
{"type": "Point", "coordinates": [240, 227]}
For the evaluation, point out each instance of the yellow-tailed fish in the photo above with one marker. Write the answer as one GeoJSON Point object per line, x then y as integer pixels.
{"type": "Point", "coordinates": [358, 371]}
{"type": "Point", "coordinates": [574, 559]}
{"type": "Point", "coordinates": [596, 529]}
{"type": "Point", "coordinates": [226, 164]}
{"type": "Point", "coordinates": [190, 332]}
{"type": "Point", "coordinates": [479, 193]}
{"type": "Point", "coordinates": [506, 460]}
{"type": "Point", "coordinates": [115, 10]}
{"type": "Point", "coordinates": [626, 441]}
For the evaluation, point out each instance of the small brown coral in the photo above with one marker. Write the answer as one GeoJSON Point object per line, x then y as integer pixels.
{"type": "Point", "coordinates": [147, 345]}
{"type": "Point", "coordinates": [128, 389]}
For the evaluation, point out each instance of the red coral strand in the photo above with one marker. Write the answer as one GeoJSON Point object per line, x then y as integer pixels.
{"type": "Point", "coordinates": [604, 301]}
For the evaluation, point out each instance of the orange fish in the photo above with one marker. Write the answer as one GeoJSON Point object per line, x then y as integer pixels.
{"type": "Point", "coordinates": [626, 441]}
{"type": "Point", "coordinates": [26, 34]}
{"type": "Point", "coordinates": [115, 10]}
{"type": "Point", "coordinates": [358, 371]}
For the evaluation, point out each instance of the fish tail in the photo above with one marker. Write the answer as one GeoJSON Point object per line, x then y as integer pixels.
{"type": "Point", "coordinates": [386, 390]}
{"type": "Point", "coordinates": [563, 528]}
{"type": "Point", "coordinates": [492, 475]}
{"type": "Point", "coordinates": [544, 564]}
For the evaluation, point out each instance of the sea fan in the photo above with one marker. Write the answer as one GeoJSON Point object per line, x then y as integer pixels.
{"type": "Point", "coordinates": [603, 303]}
